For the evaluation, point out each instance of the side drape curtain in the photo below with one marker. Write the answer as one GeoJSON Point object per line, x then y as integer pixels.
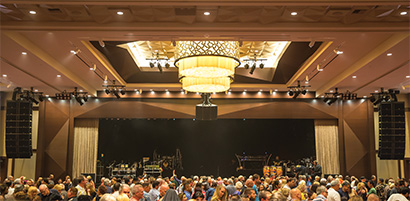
{"type": "Point", "coordinates": [327, 146]}
{"type": "Point", "coordinates": [85, 146]}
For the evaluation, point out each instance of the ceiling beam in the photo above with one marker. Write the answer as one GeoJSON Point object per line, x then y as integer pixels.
{"type": "Point", "coordinates": [213, 2]}
{"type": "Point", "coordinates": [178, 85]}
{"type": "Point", "coordinates": [54, 63]}
{"type": "Point", "coordinates": [309, 62]}
{"type": "Point", "coordinates": [363, 61]}
{"type": "Point", "coordinates": [103, 60]}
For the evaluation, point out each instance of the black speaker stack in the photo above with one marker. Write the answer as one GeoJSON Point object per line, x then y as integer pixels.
{"type": "Point", "coordinates": [18, 129]}
{"type": "Point", "coordinates": [392, 130]}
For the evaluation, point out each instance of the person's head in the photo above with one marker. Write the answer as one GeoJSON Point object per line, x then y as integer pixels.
{"type": "Point", "coordinates": [373, 197]}
{"type": "Point", "coordinates": [295, 194]}
{"type": "Point", "coordinates": [82, 181]}
{"type": "Point", "coordinates": [335, 184]}
{"type": "Point", "coordinates": [356, 198]}
{"type": "Point", "coordinates": [249, 183]}
{"type": "Point", "coordinates": [116, 187]}
{"type": "Point", "coordinates": [238, 185]}
{"type": "Point", "coordinates": [72, 192]}
{"type": "Point", "coordinates": [32, 192]}
{"type": "Point", "coordinates": [137, 191]}
{"type": "Point", "coordinates": [146, 187]}
{"type": "Point", "coordinates": [107, 197]}
{"type": "Point", "coordinates": [187, 186]}
{"type": "Point", "coordinates": [264, 195]}
{"type": "Point", "coordinates": [107, 182]}
{"type": "Point", "coordinates": [291, 182]}
{"type": "Point", "coordinates": [102, 190]}
{"type": "Point", "coordinates": [220, 192]}
{"type": "Point", "coordinates": [404, 191]}
{"type": "Point", "coordinates": [58, 187]}
{"type": "Point", "coordinates": [321, 190]}
{"type": "Point", "coordinates": [198, 196]}
{"type": "Point", "coordinates": [345, 186]}
{"type": "Point", "coordinates": [371, 183]}
{"type": "Point", "coordinates": [155, 184]}
{"type": "Point", "coordinates": [235, 198]}
{"type": "Point", "coordinates": [250, 193]}
{"type": "Point", "coordinates": [44, 190]}
{"type": "Point", "coordinates": [122, 197]}
{"type": "Point", "coordinates": [163, 189]}
{"type": "Point", "coordinates": [125, 189]}
{"type": "Point", "coordinates": [182, 197]}
{"type": "Point", "coordinates": [381, 180]}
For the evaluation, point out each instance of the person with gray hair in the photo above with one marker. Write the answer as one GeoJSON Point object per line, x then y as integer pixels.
{"type": "Point", "coordinates": [125, 189]}
{"type": "Point", "coordinates": [107, 184]}
{"type": "Point", "coordinates": [373, 197]}
{"type": "Point", "coordinates": [333, 194]}
{"type": "Point", "coordinates": [321, 192]}
{"type": "Point", "coordinates": [230, 188]}
{"type": "Point", "coordinates": [137, 193]}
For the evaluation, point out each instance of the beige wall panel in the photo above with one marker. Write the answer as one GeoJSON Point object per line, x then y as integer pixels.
{"type": "Point", "coordinates": [25, 167]}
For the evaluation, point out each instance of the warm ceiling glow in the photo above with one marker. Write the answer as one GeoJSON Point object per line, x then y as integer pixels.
{"type": "Point", "coordinates": [294, 13]}
{"type": "Point", "coordinates": [354, 76]}
{"type": "Point", "coordinates": [403, 13]}
{"type": "Point", "coordinates": [120, 13]}
{"type": "Point", "coordinates": [389, 54]}
{"type": "Point", "coordinates": [24, 53]}
{"type": "Point", "coordinates": [207, 13]}
{"type": "Point", "coordinates": [33, 12]}
{"type": "Point", "coordinates": [206, 66]}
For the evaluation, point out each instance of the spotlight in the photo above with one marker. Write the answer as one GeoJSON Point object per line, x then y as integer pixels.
{"type": "Point", "coordinates": [290, 93]}
{"type": "Point", "coordinates": [261, 65]}
{"type": "Point", "coordinates": [167, 65]}
{"type": "Point", "coordinates": [312, 43]}
{"type": "Point", "coordinates": [85, 98]}
{"type": "Point", "coordinates": [326, 99]}
{"type": "Point", "coordinates": [372, 99]}
{"type": "Point", "coordinates": [252, 69]}
{"type": "Point", "coordinates": [122, 92]}
{"type": "Point", "coordinates": [379, 100]}
{"type": "Point", "coordinates": [101, 42]}
{"type": "Point", "coordinates": [296, 94]}
{"type": "Point", "coordinates": [331, 101]}
{"type": "Point", "coordinates": [79, 100]}
{"type": "Point", "coordinates": [116, 94]}
{"type": "Point", "coordinates": [40, 98]}
{"type": "Point", "coordinates": [246, 66]}
{"type": "Point", "coordinates": [159, 67]}
{"type": "Point", "coordinates": [152, 65]}
{"type": "Point", "coordinates": [107, 91]}
{"type": "Point", "coordinates": [304, 92]}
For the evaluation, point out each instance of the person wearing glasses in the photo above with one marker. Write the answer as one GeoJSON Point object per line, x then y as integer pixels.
{"type": "Point", "coordinates": [321, 192]}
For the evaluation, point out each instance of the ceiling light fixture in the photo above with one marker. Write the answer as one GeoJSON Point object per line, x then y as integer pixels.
{"type": "Point", "coordinates": [4, 75]}
{"type": "Point", "coordinates": [114, 89]}
{"type": "Point", "coordinates": [207, 13]}
{"type": "Point", "coordinates": [403, 13]}
{"type": "Point", "coordinates": [120, 13]}
{"type": "Point", "coordinates": [407, 76]}
{"type": "Point", "coordinates": [24, 53]}
{"type": "Point", "coordinates": [32, 12]}
{"type": "Point", "coordinates": [295, 91]}
{"type": "Point", "coordinates": [354, 76]}
{"type": "Point", "coordinates": [206, 66]}
{"type": "Point", "coordinates": [389, 54]}
{"type": "Point", "coordinates": [294, 13]}
{"type": "Point", "coordinates": [58, 75]}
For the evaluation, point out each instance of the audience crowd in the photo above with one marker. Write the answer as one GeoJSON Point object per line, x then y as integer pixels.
{"type": "Point", "coordinates": [206, 188]}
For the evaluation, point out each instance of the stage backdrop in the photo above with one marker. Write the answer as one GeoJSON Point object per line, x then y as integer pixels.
{"type": "Point", "coordinates": [207, 147]}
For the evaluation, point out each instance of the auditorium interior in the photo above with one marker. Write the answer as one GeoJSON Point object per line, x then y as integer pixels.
{"type": "Point", "coordinates": [100, 86]}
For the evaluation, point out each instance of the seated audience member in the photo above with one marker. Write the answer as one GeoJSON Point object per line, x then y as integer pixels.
{"type": "Point", "coordinates": [46, 195]}
{"type": "Point", "coordinates": [72, 194]}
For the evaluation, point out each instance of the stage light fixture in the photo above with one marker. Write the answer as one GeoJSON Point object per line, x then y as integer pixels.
{"type": "Point", "coordinates": [122, 92]}
{"type": "Point", "coordinates": [167, 65]}
{"type": "Point", "coordinates": [151, 64]}
{"type": "Point", "coordinates": [40, 98]}
{"type": "Point", "coordinates": [246, 66]}
{"type": "Point", "coordinates": [252, 68]}
{"type": "Point", "coordinates": [290, 93]}
{"type": "Point", "coordinates": [116, 94]}
{"type": "Point", "coordinates": [261, 65]}
{"type": "Point", "coordinates": [159, 67]}
{"type": "Point", "coordinates": [295, 91]}
{"type": "Point", "coordinates": [107, 91]}
{"type": "Point", "coordinates": [304, 92]}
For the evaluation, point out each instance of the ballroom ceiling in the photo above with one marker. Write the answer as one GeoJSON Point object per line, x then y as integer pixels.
{"type": "Point", "coordinates": [38, 39]}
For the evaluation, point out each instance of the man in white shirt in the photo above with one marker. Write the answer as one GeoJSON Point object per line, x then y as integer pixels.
{"type": "Point", "coordinates": [403, 195]}
{"type": "Point", "coordinates": [82, 181]}
{"type": "Point", "coordinates": [333, 195]}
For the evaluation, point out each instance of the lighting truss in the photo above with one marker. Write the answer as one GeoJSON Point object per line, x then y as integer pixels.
{"type": "Point", "coordinates": [295, 91]}
{"type": "Point", "coordinates": [159, 62]}
{"type": "Point", "coordinates": [27, 95]}
{"type": "Point", "coordinates": [253, 63]}
{"type": "Point", "coordinates": [384, 96]}
{"type": "Point", "coordinates": [80, 97]}
{"type": "Point", "coordinates": [114, 89]}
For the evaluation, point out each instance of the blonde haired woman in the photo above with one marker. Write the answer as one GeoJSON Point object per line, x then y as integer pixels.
{"type": "Point", "coordinates": [123, 197]}
{"type": "Point", "coordinates": [220, 194]}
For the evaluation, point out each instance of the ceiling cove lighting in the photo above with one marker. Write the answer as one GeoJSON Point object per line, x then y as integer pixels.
{"type": "Point", "coordinates": [206, 66]}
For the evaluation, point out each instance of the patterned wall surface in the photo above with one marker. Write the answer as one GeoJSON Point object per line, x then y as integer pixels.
{"type": "Point", "coordinates": [355, 119]}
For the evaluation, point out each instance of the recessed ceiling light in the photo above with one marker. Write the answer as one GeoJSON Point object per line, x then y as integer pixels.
{"type": "Point", "coordinates": [376, 91]}
{"type": "Point", "coordinates": [33, 12]}
{"type": "Point", "coordinates": [35, 90]}
{"type": "Point", "coordinates": [364, 96]}
{"type": "Point", "coordinates": [81, 90]}
{"type": "Point", "coordinates": [408, 76]}
{"type": "Point", "coordinates": [306, 82]}
{"type": "Point", "coordinates": [354, 76]}
{"type": "Point", "coordinates": [339, 52]}
{"type": "Point", "coordinates": [207, 13]}
{"type": "Point", "coordinates": [331, 91]}
{"type": "Point", "coordinates": [389, 54]}
{"type": "Point", "coordinates": [294, 13]}
{"type": "Point", "coordinates": [4, 75]}
{"type": "Point", "coordinates": [403, 13]}
{"type": "Point", "coordinates": [91, 68]}
{"type": "Point", "coordinates": [120, 13]}
{"type": "Point", "coordinates": [47, 95]}
{"type": "Point", "coordinates": [276, 89]}
{"type": "Point", "coordinates": [24, 53]}
{"type": "Point", "coordinates": [58, 75]}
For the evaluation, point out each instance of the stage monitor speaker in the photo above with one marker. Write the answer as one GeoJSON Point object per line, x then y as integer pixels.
{"type": "Point", "coordinates": [392, 130]}
{"type": "Point", "coordinates": [206, 112]}
{"type": "Point", "coordinates": [18, 129]}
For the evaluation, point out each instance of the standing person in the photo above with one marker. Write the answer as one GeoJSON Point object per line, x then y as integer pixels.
{"type": "Point", "coordinates": [317, 169]}
{"type": "Point", "coordinates": [137, 193]}
{"type": "Point", "coordinates": [154, 192]}
{"type": "Point", "coordinates": [333, 194]}
{"type": "Point", "coordinates": [163, 190]}
{"type": "Point", "coordinates": [362, 190]}
{"type": "Point", "coordinates": [295, 194]}
{"type": "Point", "coordinates": [250, 194]}
{"type": "Point", "coordinates": [380, 189]}
{"type": "Point", "coordinates": [72, 194]}
{"type": "Point", "coordinates": [230, 188]}
{"type": "Point", "coordinates": [220, 194]}
{"type": "Point", "coordinates": [82, 181]}
{"type": "Point", "coordinates": [344, 191]}
{"type": "Point", "coordinates": [371, 185]}
{"type": "Point", "coordinates": [321, 192]}
{"type": "Point", "coordinates": [100, 192]}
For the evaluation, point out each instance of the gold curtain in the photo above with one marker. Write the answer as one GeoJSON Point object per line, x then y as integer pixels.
{"type": "Point", "coordinates": [327, 146]}
{"type": "Point", "coordinates": [85, 146]}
